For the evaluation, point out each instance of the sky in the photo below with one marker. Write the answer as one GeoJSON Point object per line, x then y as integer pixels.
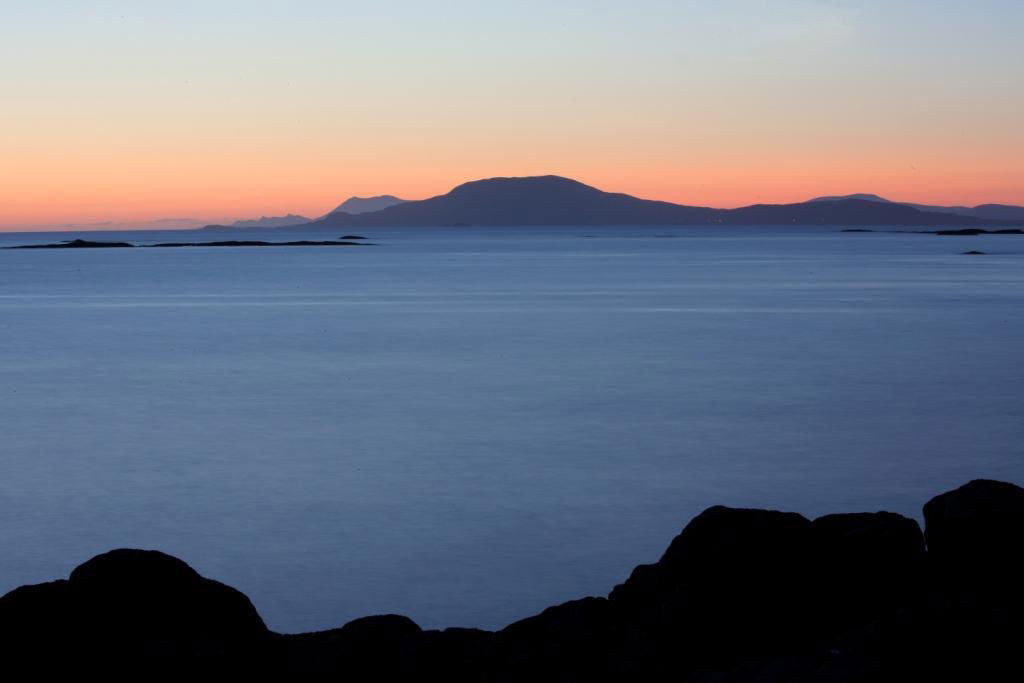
{"type": "Point", "coordinates": [124, 112]}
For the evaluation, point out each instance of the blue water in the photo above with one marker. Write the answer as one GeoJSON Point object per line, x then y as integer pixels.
{"type": "Point", "coordinates": [468, 425]}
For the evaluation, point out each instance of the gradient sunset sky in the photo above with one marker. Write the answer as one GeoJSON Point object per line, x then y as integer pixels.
{"type": "Point", "coordinates": [222, 109]}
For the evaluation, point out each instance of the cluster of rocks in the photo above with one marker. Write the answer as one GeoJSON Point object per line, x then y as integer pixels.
{"type": "Point", "coordinates": [740, 595]}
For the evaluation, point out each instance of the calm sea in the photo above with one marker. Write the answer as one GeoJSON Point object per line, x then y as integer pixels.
{"type": "Point", "coordinates": [468, 425]}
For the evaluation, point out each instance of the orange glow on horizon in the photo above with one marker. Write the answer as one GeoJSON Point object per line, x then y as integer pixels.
{"type": "Point", "coordinates": [231, 192]}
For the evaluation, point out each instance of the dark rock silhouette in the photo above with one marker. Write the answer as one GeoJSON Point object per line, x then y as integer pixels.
{"type": "Point", "coordinates": [566, 642]}
{"type": "Point", "coordinates": [973, 253]}
{"type": "Point", "coordinates": [872, 560]}
{"type": "Point", "coordinates": [977, 527]}
{"type": "Point", "coordinates": [740, 595]}
{"type": "Point", "coordinates": [368, 647]}
{"type": "Point", "coordinates": [127, 607]}
{"type": "Point", "coordinates": [131, 590]}
{"type": "Point", "coordinates": [553, 200]}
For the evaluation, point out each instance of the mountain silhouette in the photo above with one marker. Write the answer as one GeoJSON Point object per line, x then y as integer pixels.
{"type": "Point", "coordinates": [535, 200]}
{"type": "Point", "coordinates": [271, 221]}
{"type": "Point", "coordinates": [356, 205]}
{"type": "Point", "coordinates": [554, 200]}
{"type": "Point", "coordinates": [858, 195]}
{"type": "Point", "coordinates": [995, 212]}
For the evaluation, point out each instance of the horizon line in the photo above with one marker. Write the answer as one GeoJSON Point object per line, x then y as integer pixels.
{"type": "Point", "coordinates": [192, 223]}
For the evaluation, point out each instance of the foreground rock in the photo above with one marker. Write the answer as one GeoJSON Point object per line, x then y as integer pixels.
{"type": "Point", "coordinates": [128, 608]}
{"type": "Point", "coordinates": [977, 530]}
{"type": "Point", "coordinates": [739, 595]}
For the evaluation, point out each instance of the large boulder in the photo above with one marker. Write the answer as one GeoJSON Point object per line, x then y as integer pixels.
{"type": "Point", "coordinates": [567, 642]}
{"type": "Point", "coordinates": [865, 563]}
{"type": "Point", "coordinates": [727, 548]}
{"type": "Point", "coordinates": [379, 647]}
{"type": "Point", "coordinates": [722, 545]}
{"type": "Point", "coordinates": [872, 541]}
{"type": "Point", "coordinates": [457, 655]}
{"type": "Point", "coordinates": [145, 593]}
{"type": "Point", "coordinates": [127, 606]}
{"type": "Point", "coordinates": [976, 529]}
{"type": "Point", "coordinates": [735, 580]}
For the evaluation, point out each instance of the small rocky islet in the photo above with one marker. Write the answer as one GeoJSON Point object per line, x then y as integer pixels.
{"type": "Point", "coordinates": [740, 595]}
{"type": "Point", "coordinates": [963, 232]}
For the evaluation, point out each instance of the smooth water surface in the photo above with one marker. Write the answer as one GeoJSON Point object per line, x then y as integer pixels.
{"type": "Point", "coordinates": [468, 425]}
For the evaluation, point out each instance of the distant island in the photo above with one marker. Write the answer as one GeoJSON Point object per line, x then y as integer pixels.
{"type": "Point", "coordinates": [90, 244]}
{"type": "Point", "coordinates": [352, 205]}
{"type": "Point", "coordinates": [553, 200]}
{"type": "Point", "coordinates": [995, 212]}
{"type": "Point", "coordinates": [272, 221]}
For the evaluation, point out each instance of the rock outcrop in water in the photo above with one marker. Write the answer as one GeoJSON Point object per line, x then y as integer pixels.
{"type": "Point", "coordinates": [261, 243]}
{"type": "Point", "coordinates": [976, 231]}
{"type": "Point", "coordinates": [739, 595]}
{"type": "Point", "coordinates": [85, 244]}
{"type": "Point", "coordinates": [73, 244]}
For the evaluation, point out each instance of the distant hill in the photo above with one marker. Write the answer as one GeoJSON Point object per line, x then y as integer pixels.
{"type": "Point", "coordinates": [271, 221]}
{"type": "Point", "coordinates": [352, 205]}
{"type": "Point", "coordinates": [846, 212]}
{"type": "Point", "coordinates": [860, 195]}
{"type": "Point", "coordinates": [995, 212]}
{"type": "Point", "coordinates": [553, 200]}
{"type": "Point", "coordinates": [537, 200]}
{"type": "Point", "coordinates": [357, 205]}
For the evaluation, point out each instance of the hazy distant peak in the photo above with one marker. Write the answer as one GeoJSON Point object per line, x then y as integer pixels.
{"type": "Point", "coordinates": [997, 212]}
{"type": "Point", "coordinates": [271, 221]}
{"type": "Point", "coordinates": [357, 205]}
{"type": "Point", "coordinates": [860, 195]}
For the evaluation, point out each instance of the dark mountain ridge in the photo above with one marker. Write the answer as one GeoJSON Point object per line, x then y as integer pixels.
{"type": "Point", "coordinates": [995, 212]}
{"type": "Point", "coordinates": [535, 200]}
{"type": "Point", "coordinates": [356, 205]}
{"type": "Point", "coordinates": [554, 200]}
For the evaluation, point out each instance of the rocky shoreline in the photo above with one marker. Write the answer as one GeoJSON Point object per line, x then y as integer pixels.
{"type": "Point", "coordinates": [739, 595]}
